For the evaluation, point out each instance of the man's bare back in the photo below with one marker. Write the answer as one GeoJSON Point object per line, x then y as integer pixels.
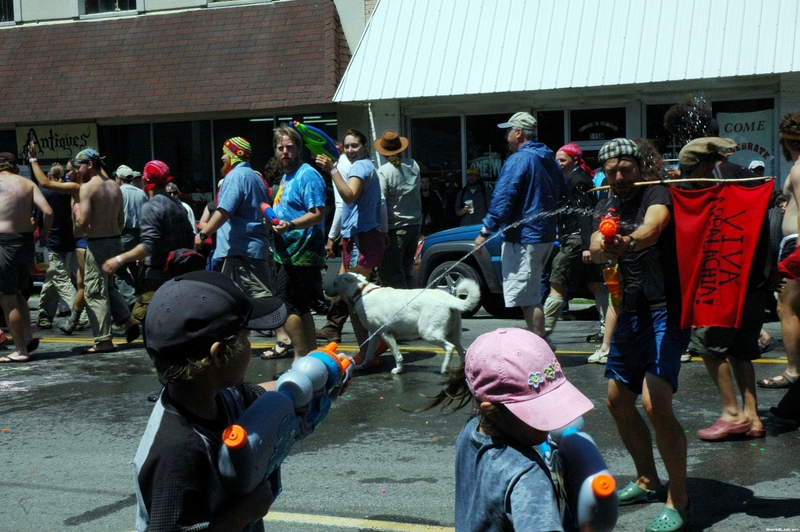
{"type": "Point", "coordinates": [792, 189]}
{"type": "Point", "coordinates": [101, 207]}
{"type": "Point", "coordinates": [17, 197]}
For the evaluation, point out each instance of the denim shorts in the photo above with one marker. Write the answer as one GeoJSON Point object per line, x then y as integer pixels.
{"type": "Point", "coordinates": [646, 344]}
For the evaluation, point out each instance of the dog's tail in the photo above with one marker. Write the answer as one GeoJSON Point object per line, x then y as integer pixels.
{"type": "Point", "coordinates": [473, 291]}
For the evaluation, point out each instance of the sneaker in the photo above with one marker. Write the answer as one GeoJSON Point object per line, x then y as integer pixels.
{"type": "Point", "coordinates": [329, 334]}
{"type": "Point", "coordinates": [598, 357]}
{"type": "Point", "coordinates": [686, 357]}
{"type": "Point", "coordinates": [595, 338]}
{"type": "Point", "coordinates": [44, 322]}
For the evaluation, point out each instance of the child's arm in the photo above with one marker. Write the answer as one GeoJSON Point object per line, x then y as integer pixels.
{"type": "Point", "coordinates": [533, 503]}
{"type": "Point", "coordinates": [236, 512]}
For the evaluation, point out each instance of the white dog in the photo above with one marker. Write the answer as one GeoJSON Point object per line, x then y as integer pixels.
{"type": "Point", "coordinates": [396, 314]}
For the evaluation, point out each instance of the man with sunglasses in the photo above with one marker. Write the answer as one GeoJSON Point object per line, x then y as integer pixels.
{"type": "Point", "coordinates": [175, 193]}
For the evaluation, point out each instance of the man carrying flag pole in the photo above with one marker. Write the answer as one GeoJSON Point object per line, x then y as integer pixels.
{"type": "Point", "coordinates": [723, 234]}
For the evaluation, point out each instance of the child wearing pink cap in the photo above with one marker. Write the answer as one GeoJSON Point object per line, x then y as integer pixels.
{"type": "Point", "coordinates": [502, 483]}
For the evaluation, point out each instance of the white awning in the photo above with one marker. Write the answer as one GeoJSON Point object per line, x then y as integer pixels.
{"type": "Point", "coordinates": [426, 48]}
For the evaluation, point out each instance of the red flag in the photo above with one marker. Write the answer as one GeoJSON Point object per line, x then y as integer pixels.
{"type": "Point", "coordinates": [716, 231]}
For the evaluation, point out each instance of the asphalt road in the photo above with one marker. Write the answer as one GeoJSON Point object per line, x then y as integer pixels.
{"type": "Point", "coordinates": [71, 424]}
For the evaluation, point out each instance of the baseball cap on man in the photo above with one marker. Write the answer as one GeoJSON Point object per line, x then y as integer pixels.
{"type": "Point", "coordinates": [699, 149]}
{"type": "Point", "coordinates": [518, 369]}
{"type": "Point", "coordinates": [124, 172]}
{"type": "Point", "coordinates": [190, 312]}
{"type": "Point", "coordinates": [619, 147]}
{"type": "Point", "coordinates": [87, 155]}
{"type": "Point", "coordinates": [756, 164]}
{"type": "Point", "coordinates": [520, 120]}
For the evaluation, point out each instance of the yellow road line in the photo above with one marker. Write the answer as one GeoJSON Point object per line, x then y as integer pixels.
{"type": "Point", "coordinates": [347, 347]}
{"type": "Point", "coordinates": [345, 522]}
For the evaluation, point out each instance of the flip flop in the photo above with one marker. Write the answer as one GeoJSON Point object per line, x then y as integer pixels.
{"type": "Point", "coordinates": [768, 346]}
{"type": "Point", "coordinates": [93, 350]}
{"type": "Point", "coordinates": [288, 352]}
{"type": "Point", "coordinates": [781, 381]}
{"type": "Point", "coordinates": [33, 345]}
{"type": "Point", "coordinates": [9, 360]}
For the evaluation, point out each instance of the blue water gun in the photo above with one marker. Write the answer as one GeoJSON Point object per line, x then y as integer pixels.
{"type": "Point", "coordinates": [317, 141]}
{"type": "Point", "coordinates": [583, 478]}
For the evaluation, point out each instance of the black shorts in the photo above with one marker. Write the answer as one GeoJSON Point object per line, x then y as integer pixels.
{"type": "Point", "coordinates": [16, 259]}
{"type": "Point", "coordinates": [741, 343]}
{"type": "Point", "coordinates": [298, 286]}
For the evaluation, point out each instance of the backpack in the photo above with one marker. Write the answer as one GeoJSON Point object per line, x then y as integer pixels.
{"type": "Point", "coordinates": [183, 260]}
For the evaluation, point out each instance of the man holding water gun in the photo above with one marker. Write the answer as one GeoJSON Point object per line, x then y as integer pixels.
{"type": "Point", "coordinates": [645, 354]}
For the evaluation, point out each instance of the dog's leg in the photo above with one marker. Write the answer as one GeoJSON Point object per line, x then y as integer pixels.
{"type": "Point", "coordinates": [388, 337]}
{"type": "Point", "coordinates": [369, 352]}
{"type": "Point", "coordinates": [448, 352]}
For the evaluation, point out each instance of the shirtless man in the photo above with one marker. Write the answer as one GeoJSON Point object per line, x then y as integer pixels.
{"type": "Point", "coordinates": [789, 289]}
{"type": "Point", "coordinates": [77, 318]}
{"type": "Point", "coordinates": [17, 198]}
{"type": "Point", "coordinates": [101, 210]}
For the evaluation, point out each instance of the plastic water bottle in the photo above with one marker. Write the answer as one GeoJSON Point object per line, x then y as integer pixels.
{"type": "Point", "coordinates": [258, 442]}
{"type": "Point", "coordinates": [613, 284]}
{"type": "Point", "coordinates": [41, 257]}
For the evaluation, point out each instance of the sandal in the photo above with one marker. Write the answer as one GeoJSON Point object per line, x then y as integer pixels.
{"type": "Point", "coordinates": [669, 520]}
{"type": "Point", "coordinates": [784, 380]}
{"type": "Point", "coordinates": [274, 354]}
{"type": "Point", "coordinates": [10, 360]}
{"type": "Point", "coordinates": [633, 494]}
{"type": "Point", "coordinates": [95, 351]}
{"type": "Point", "coordinates": [768, 346]}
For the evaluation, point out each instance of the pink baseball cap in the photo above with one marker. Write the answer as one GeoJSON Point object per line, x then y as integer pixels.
{"type": "Point", "coordinates": [518, 369]}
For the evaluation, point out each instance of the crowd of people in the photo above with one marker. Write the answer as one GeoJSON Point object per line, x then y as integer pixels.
{"type": "Point", "coordinates": [129, 243]}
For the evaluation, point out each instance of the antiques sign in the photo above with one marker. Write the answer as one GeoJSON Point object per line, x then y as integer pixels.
{"type": "Point", "coordinates": [54, 142]}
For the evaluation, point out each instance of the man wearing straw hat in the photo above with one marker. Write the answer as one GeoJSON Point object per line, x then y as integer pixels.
{"type": "Point", "coordinates": [400, 187]}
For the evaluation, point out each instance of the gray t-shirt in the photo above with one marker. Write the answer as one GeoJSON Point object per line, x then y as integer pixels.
{"type": "Point", "coordinates": [400, 187]}
{"type": "Point", "coordinates": [500, 488]}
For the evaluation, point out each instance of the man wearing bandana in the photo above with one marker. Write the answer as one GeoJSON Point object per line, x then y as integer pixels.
{"type": "Point", "coordinates": [164, 228]}
{"type": "Point", "coordinates": [242, 237]}
{"type": "Point", "coordinates": [101, 211]}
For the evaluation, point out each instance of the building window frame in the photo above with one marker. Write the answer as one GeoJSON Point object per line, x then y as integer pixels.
{"type": "Point", "coordinates": [16, 6]}
{"type": "Point", "coordinates": [80, 11]}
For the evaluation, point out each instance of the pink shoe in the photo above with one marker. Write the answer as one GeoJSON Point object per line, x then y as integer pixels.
{"type": "Point", "coordinates": [3, 338]}
{"type": "Point", "coordinates": [722, 429]}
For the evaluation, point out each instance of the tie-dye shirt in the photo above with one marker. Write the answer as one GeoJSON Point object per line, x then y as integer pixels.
{"type": "Point", "coordinates": [299, 192]}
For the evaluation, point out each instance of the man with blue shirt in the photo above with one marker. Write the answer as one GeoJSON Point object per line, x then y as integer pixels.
{"type": "Point", "coordinates": [300, 240]}
{"type": "Point", "coordinates": [242, 237]}
{"type": "Point", "coordinates": [529, 187]}
{"type": "Point", "coordinates": [132, 200]}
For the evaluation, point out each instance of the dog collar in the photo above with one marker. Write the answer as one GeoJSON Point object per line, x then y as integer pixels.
{"type": "Point", "coordinates": [360, 292]}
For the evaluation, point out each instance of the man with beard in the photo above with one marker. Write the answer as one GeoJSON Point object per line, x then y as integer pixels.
{"type": "Point", "coordinates": [645, 353]}
{"type": "Point", "coordinates": [242, 237]}
{"type": "Point", "coordinates": [300, 241]}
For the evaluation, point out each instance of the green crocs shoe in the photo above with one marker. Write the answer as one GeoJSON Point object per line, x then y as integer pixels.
{"type": "Point", "coordinates": [633, 494]}
{"type": "Point", "coordinates": [669, 520]}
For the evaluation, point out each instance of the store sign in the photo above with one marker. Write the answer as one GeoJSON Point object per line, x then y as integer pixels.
{"type": "Point", "coordinates": [489, 165]}
{"type": "Point", "coordinates": [61, 141]}
{"type": "Point", "coordinates": [753, 132]}
{"type": "Point", "coordinates": [597, 124]}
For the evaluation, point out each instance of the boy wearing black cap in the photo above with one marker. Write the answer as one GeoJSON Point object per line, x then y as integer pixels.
{"type": "Point", "coordinates": [196, 330]}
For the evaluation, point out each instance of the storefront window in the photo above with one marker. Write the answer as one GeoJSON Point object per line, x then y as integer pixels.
{"type": "Point", "coordinates": [751, 124]}
{"type": "Point", "coordinates": [128, 145]}
{"type": "Point", "coordinates": [487, 147]}
{"type": "Point", "coordinates": [551, 129]}
{"type": "Point", "coordinates": [186, 148]}
{"type": "Point", "coordinates": [436, 147]}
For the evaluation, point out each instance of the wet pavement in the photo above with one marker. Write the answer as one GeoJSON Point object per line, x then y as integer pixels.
{"type": "Point", "coordinates": [71, 424]}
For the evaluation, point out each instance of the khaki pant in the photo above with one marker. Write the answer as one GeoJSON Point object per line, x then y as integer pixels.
{"type": "Point", "coordinates": [57, 284]}
{"type": "Point", "coordinates": [103, 300]}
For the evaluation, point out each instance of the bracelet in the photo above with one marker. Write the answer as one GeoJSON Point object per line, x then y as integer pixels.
{"type": "Point", "coordinates": [292, 226]}
{"type": "Point", "coordinates": [119, 260]}
{"type": "Point", "coordinates": [334, 170]}
{"type": "Point", "coordinates": [33, 160]}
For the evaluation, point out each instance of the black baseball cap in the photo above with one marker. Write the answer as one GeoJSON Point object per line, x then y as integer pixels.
{"type": "Point", "coordinates": [190, 312]}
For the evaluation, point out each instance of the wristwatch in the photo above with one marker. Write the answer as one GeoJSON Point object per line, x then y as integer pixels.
{"type": "Point", "coordinates": [292, 227]}
{"type": "Point", "coordinates": [632, 244]}
{"type": "Point", "coordinates": [202, 235]}
{"type": "Point", "coordinates": [484, 233]}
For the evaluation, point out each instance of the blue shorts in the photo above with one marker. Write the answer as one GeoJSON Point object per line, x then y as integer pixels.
{"type": "Point", "coordinates": [646, 344]}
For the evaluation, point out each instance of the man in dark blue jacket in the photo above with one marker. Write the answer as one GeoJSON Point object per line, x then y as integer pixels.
{"type": "Point", "coordinates": [523, 204]}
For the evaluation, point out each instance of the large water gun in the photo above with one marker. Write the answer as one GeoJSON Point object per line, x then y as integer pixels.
{"type": "Point", "coordinates": [269, 213]}
{"type": "Point", "coordinates": [258, 442]}
{"type": "Point", "coordinates": [609, 227]}
{"type": "Point", "coordinates": [583, 478]}
{"type": "Point", "coordinates": [317, 141]}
